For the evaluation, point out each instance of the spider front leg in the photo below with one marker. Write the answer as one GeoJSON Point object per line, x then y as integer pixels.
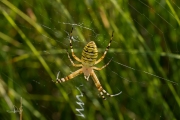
{"type": "Point", "coordinates": [71, 76]}
{"type": "Point", "coordinates": [100, 88]}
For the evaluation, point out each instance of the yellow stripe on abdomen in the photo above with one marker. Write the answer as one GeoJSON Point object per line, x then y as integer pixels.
{"type": "Point", "coordinates": [89, 54]}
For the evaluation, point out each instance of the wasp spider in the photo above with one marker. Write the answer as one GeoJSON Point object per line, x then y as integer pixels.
{"type": "Point", "coordinates": [88, 60]}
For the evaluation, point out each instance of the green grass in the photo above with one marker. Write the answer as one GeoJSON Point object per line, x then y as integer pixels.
{"type": "Point", "coordinates": [33, 46]}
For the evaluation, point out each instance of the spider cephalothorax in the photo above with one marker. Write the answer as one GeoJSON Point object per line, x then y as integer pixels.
{"type": "Point", "coordinates": [88, 60]}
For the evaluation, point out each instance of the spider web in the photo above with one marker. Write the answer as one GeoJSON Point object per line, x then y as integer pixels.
{"type": "Point", "coordinates": [144, 66]}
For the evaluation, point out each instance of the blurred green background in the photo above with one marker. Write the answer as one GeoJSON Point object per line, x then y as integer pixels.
{"type": "Point", "coordinates": [34, 39]}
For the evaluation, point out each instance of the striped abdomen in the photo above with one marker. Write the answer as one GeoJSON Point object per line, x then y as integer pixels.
{"type": "Point", "coordinates": [89, 54]}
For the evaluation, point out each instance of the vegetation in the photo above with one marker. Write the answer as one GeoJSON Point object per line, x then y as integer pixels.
{"type": "Point", "coordinates": [145, 64]}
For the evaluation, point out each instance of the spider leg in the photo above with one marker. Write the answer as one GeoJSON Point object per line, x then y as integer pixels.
{"type": "Point", "coordinates": [71, 39]}
{"type": "Point", "coordinates": [75, 65]}
{"type": "Point", "coordinates": [96, 68]}
{"type": "Point", "coordinates": [71, 76]}
{"type": "Point", "coordinates": [107, 48]}
{"type": "Point", "coordinates": [99, 86]}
